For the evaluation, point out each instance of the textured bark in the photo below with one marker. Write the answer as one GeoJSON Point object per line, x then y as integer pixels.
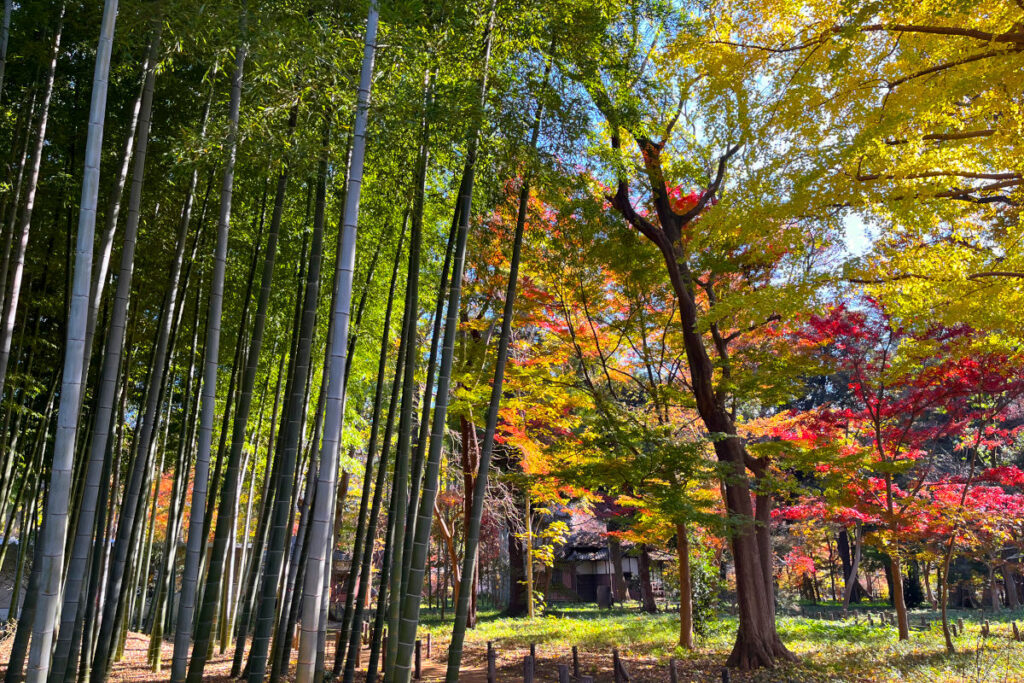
{"type": "Point", "coordinates": [516, 569]}
{"type": "Point", "coordinates": [757, 641]}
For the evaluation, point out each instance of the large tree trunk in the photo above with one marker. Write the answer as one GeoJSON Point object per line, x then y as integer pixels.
{"type": "Point", "coordinates": [757, 641]}
{"type": "Point", "coordinates": [55, 528]}
{"type": "Point", "coordinates": [517, 597]}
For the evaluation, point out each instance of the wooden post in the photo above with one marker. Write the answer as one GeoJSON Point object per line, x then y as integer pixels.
{"type": "Point", "coordinates": [960, 625]}
{"type": "Point", "coordinates": [575, 663]}
{"type": "Point", "coordinates": [984, 629]}
{"type": "Point", "coordinates": [492, 676]}
{"type": "Point", "coordinates": [527, 669]}
{"type": "Point", "coordinates": [673, 676]}
{"type": "Point", "coordinates": [563, 673]}
{"type": "Point", "coordinates": [618, 668]}
{"type": "Point", "coordinates": [725, 676]}
{"type": "Point", "coordinates": [428, 646]}
{"type": "Point", "coordinates": [418, 663]}
{"type": "Point", "coordinates": [1016, 631]}
{"type": "Point", "coordinates": [533, 651]}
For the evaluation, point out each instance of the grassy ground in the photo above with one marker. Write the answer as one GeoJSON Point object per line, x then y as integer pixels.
{"type": "Point", "coordinates": [829, 650]}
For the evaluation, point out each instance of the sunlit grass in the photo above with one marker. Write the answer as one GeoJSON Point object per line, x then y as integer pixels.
{"type": "Point", "coordinates": [829, 650]}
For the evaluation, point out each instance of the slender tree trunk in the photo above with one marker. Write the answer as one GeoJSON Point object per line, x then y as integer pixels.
{"type": "Point", "coordinates": [5, 32]}
{"type": "Point", "coordinates": [10, 311]}
{"type": "Point", "coordinates": [350, 635]}
{"type": "Point", "coordinates": [469, 565]}
{"type": "Point", "coordinates": [196, 537]}
{"type": "Point", "coordinates": [128, 520]}
{"type": "Point", "coordinates": [262, 529]}
{"type": "Point", "coordinates": [165, 584]}
{"type": "Point", "coordinates": [646, 589]}
{"type": "Point", "coordinates": [419, 192]}
{"type": "Point", "coordinates": [101, 263]}
{"type": "Point", "coordinates": [400, 481]}
{"type": "Point", "coordinates": [108, 385]}
{"type": "Point", "coordinates": [313, 504]}
{"type": "Point", "coordinates": [289, 443]}
{"type": "Point", "coordinates": [685, 588]}
{"type": "Point", "coordinates": [851, 578]}
{"type": "Point", "coordinates": [12, 202]}
{"type": "Point", "coordinates": [902, 621]}
{"type": "Point", "coordinates": [371, 533]}
{"type": "Point", "coordinates": [104, 527]}
{"type": "Point", "coordinates": [411, 599]}
{"type": "Point", "coordinates": [16, 660]}
{"type": "Point", "coordinates": [321, 531]}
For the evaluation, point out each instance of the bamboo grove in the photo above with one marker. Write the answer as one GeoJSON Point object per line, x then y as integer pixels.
{"type": "Point", "coordinates": [316, 315]}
